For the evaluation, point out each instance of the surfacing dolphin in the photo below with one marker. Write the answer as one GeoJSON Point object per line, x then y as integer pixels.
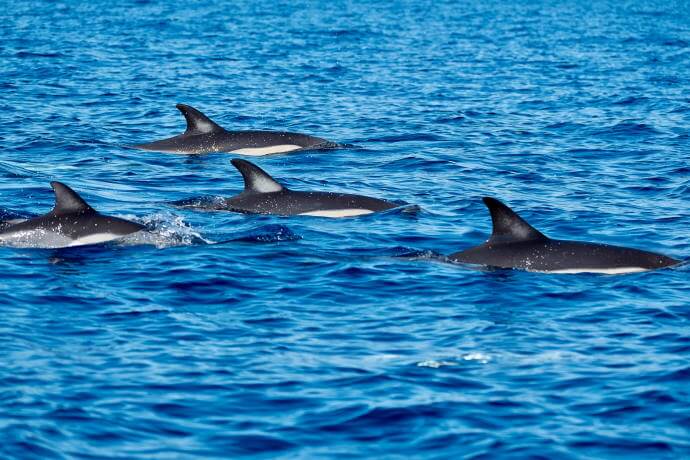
{"type": "Point", "coordinates": [264, 195]}
{"type": "Point", "coordinates": [72, 221]}
{"type": "Point", "coordinates": [203, 135]}
{"type": "Point", "coordinates": [516, 244]}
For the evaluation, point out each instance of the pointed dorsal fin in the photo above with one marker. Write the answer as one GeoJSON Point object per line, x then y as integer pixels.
{"type": "Point", "coordinates": [197, 122]}
{"type": "Point", "coordinates": [256, 180]}
{"type": "Point", "coordinates": [67, 201]}
{"type": "Point", "coordinates": [508, 226]}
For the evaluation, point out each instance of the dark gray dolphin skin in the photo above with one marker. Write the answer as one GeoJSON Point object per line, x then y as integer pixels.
{"type": "Point", "coordinates": [73, 218]}
{"type": "Point", "coordinates": [516, 244]}
{"type": "Point", "coordinates": [8, 223]}
{"type": "Point", "coordinates": [264, 195]}
{"type": "Point", "coordinates": [205, 136]}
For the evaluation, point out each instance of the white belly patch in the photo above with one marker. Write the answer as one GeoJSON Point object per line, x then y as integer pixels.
{"type": "Point", "coordinates": [41, 238]}
{"type": "Point", "coordinates": [95, 239]}
{"type": "Point", "coordinates": [258, 151]}
{"type": "Point", "coordinates": [338, 212]}
{"type": "Point", "coordinates": [605, 271]}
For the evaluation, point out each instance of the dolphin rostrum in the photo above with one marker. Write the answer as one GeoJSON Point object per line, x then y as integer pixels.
{"type": "Point", "coordinates": [516, 244]}
{"type": "Point", "coordinates": [72, 220]}
{"type": "Point", "coordinates": [203, 135]}
{"type": "Point", "coordinates": [264, 195]}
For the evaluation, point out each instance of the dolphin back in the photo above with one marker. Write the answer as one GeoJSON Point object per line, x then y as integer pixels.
{"type": "Point", "coordinates": [516, 244]}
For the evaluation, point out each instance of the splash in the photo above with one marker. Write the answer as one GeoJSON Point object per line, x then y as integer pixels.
{"type": "Point", "coordinates": [164, 230]}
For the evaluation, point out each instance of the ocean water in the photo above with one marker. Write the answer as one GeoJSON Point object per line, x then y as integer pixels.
{"type": "Point", "coordinates": [222, 335]}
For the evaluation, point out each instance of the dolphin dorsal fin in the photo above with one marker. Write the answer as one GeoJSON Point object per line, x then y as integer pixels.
{"type": "Point", "coordinates": [256, 180]}
{"type": "Point", "coordinates": [67, 201]}
{"type": "Point", "coordinates": [197, 122]}
{"type": "Point", "coordinates": [508, 226]}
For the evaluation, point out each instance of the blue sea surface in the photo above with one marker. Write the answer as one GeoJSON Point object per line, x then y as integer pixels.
{"type": "Point", "coordinates": [223, 335]}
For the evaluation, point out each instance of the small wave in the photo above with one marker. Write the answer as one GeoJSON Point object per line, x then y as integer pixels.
{"type": "Point", "coordinates": [415, 254]}
{"type": "Point", "coordinates": [424, 137]}
{"type": "Point", "coordinates": [267, 234]}
{"type": "Point", "coordinates": [201, 202]}
{"type": "Point", "coordinates": [565, 126]}
{"type": "Point", "coordinates": [403, 210]}
{"type": "Point", "coordinates": [29, 54]}
{"type": "Point", "coordinates": [631, 100]}
{"type": "Point", "coordinates": [478, 357]}
{"type": "Point", "coordinates": [17, 172]}
{"type": "Point", "coordinates": [379, 421]}
{"type": "Point", "coordinates": [451, 119]}
{"type": "Point", "coordinates": [652, 13]}
{"type": "Point", "coordinates": [629, 129]}
{"type": "Point", "coordinates": [128, 315]}
{"type": "Point", "coordinates": [328, 145]}
{"type": "Point", "coordinates": [674, 42]}
{"type": "Point", "coordinates": [250, 444]}
{"type": "Point", "coordinates": [417, 163]}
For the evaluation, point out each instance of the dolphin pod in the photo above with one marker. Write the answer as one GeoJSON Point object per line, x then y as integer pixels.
{"type": "Point", "coordinates": [72, 219]}
{"type": "Point", "coordinates": [264, 195]}
{"type": "Point", "coordinates": [203, 135]}
{"type": "Point", "coordinates": [516, 244]}
{"type": "Point", "coordinates": [513, 244]}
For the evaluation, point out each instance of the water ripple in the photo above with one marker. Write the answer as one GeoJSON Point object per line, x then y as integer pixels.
{"type": "Point", "coordinates": [224, 335]}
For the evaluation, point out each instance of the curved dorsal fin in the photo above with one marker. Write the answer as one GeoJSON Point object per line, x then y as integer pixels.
{"type": "Point", "coordinates": [508, 226]}
{"type": "Point", "coordinates": [256, 180]}
{"type": "Point", "coordinates": [197, 122]}
{"type": "Point", "coordinates": [67, 201]}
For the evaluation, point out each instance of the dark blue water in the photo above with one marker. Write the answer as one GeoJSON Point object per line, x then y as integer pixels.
{"type": "Point", "coordinates": [228, 335]}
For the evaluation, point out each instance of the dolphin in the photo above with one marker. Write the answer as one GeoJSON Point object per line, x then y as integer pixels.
{"type": "Point", "coordinates": [264, 195]}
{"type": "Point", "coordinates": [516, 244]}
{"type": "Point", "coordinates": [71, 218]}
{"type": "Point", "coordinates": [203, 135]}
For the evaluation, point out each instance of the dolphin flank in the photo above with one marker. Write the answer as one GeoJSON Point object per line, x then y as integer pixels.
{"type": "Point", "coordinates": [516, 244]}
{"type": "Point", "coordinates": [264, 195]}
{"type": "Point", "coordinates": [71, 218]}
{"type": "Point", "coordinates": [203, 135]}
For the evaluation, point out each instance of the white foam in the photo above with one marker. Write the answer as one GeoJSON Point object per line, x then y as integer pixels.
{"type": "Point", "coordinates": [477, 356]}
{"type": "Point", "coordinates": [165, 230]}
{"type": "Point", "coordinates": [605, 271]}
{"type": "Point", "coordinates": [435, 364]}
{"type": "Point", "coordinates": [338, 212]}
{"type": "Point", "coordinates": [258, 151]}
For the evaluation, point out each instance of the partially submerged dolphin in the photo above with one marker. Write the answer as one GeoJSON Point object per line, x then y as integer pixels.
{"type": "Point", "coordinates": [72, 220]}
{"type": "Point", "coordinates": [264, 195]}
{"type": "Point", "coordinates": [516, 244]}
{"type": "Point", "coordinates": [203, 135]}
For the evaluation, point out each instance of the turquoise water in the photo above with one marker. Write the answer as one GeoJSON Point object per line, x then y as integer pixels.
{"type": "Point", "coordinates": [226, 335]}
